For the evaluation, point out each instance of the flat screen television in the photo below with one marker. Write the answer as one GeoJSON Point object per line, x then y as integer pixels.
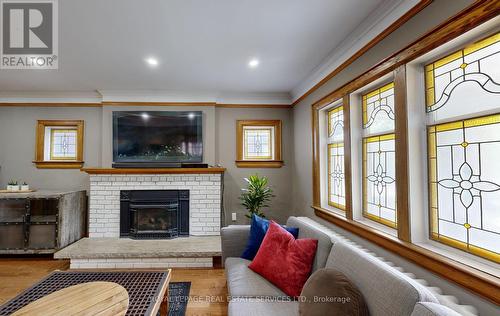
{"type": "Point", "coordinates": [157, 137]}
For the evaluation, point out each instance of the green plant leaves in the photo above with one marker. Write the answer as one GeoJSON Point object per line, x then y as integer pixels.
{"type": "Point", "coordinates": [256, 195]}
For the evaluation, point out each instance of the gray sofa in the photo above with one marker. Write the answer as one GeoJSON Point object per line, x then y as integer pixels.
{"type": "Point", "coordinates": [386, 291]}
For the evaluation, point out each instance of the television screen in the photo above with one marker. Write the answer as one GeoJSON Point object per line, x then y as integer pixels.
{"type": "Point", "coordinates": [168, 137]}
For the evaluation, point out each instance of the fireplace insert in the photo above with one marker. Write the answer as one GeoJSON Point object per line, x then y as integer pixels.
{"type": "Point", "coordinates": [154, 214]}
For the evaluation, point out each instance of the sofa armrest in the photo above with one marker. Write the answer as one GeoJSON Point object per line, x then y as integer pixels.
{"type": "Point", "coordinates": [234, 239]}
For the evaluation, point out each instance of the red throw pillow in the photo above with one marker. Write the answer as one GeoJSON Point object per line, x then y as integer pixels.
{"type": "Point", "coordinates": [285, 261]}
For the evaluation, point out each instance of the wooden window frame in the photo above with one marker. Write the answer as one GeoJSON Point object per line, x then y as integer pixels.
{"type": "Point", "coordinates": [40, 161]}
{"type": "Point", "coordinates": [481, 283]}
{"type": "Point", "coordinates": [241, 162]}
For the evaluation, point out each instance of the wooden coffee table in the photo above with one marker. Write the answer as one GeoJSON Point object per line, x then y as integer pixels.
{"type": "Point", "coordinates": [92, 298]}
{"type": "Point", "coordinates": [68, 293]}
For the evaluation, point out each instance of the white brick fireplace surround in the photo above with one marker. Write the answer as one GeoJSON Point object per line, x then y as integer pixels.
{"type": "Point", "coordinates": [204, 199]}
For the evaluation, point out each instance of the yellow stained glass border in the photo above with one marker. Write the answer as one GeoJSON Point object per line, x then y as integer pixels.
{"type": "Point", "coordinates": [330, 113]}
{"type": "Point", "coordinates": [433, 185]}
{"type": "Point", "coordinates": [430, 96]}
{"type": "Point", "coordinates": [59, 130]}
{"type": "Point", "coordinates": [372, 217]}
{"type": "Point", "coordinates": [331, 203]}
{"type": "Point", "coordinates": [370, 94]}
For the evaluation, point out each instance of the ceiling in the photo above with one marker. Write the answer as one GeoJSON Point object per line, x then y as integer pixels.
{"type": "Point", "coordinates": [201, 46]}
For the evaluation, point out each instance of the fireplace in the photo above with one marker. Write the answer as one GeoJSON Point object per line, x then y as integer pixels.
{"type": "Point", "coordinates": [154, 214]}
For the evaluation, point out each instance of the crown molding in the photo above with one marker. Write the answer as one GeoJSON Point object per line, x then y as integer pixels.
{"type": "Point", "coordinates": [50, 97]}
{"type": "Point", "coordinates": [377, 26]}
{"type": "Point", "coordinates": [142, 98]}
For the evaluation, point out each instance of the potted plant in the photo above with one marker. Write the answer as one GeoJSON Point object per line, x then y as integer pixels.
{"type": "Point", "coordinates": [25, 186]}
{"type": "Point", "coordinates": [256, 196]}
{"type": "Point", "coordinates": [12, 186]}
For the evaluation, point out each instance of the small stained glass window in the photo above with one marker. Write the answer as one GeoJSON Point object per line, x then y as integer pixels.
{"type": "Point", "coordinates": [335, 152]}
{"type": "Point", "coordinates": [63, 144]}
{"type": "Point", "coordinates": [258, 143]}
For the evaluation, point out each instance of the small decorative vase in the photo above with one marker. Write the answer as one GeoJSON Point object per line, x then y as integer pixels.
{"type": "Point", "coordinates": [15, 187]}
{"type": "Point", "coordinates": [25, 187]}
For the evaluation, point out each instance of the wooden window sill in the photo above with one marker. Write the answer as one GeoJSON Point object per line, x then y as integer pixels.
{"type": "Point", "coordinates": [259, 163]}
{"type": "Point", "coordinates": [482, 283]}
{"type": "Point", "coordinates": [58, 164]}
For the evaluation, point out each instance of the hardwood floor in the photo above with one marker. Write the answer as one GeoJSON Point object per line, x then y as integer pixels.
{"type": "Point", "coordinates": [207, 296]}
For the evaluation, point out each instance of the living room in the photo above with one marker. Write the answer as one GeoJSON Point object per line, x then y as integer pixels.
{"type": "Point", "coordinates": [249, 157]}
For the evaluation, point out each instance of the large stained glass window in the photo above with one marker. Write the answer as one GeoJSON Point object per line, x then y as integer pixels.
{"type": "Point", "coordinates": [379, 185]}
{"type": "Point", "coordinates": [464, 181]}
{"type": "Point", "coordinates": [463, 149]}
{"type": "Point", "coordinates": [335, 152]}
{"type": "Point", "coordinates": [63, 144]}
{"type": "Point", "coordinates": [379, 165]}
{"type": "Point", "coordinates": [468, 76]}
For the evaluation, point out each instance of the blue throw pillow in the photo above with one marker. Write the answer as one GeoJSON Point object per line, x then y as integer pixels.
{"type": "Point", "coordinates": [258, 230]}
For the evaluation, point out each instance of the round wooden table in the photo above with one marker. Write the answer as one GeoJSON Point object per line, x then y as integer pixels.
{"type": "Point", "coordinates": [92, 298]}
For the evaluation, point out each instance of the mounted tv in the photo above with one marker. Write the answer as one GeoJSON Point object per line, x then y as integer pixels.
{"type": "Point", "coordinates": [157, 138]}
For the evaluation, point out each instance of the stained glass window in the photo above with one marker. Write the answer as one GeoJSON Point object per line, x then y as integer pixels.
{"type": "Point", "coordinates": [379, 186]}
{"type": "Point", "coordinates": [468, 76]}
{"type": "Point", "coordinates": [465, 185]}
{"type": "Point", "coordinates": [378, 109]}
{"type": "Point", "coordinates": [63, 144]}
{"type": "Point", "coordinates": [258, 143]}
{"type": "Point", "coordinates": [464, 178]}
{"type": "Point", "coordinates": [379, 165]}
{"type": "Point", "coordinates": [336, 181]}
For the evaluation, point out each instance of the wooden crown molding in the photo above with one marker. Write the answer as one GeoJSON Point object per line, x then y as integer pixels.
{"type": "Point", "coordinates": [391, 28]}
{"type": "Point", "coordinates": [108, 103]}
{"type": "Point", "coordinates": [464, 21]}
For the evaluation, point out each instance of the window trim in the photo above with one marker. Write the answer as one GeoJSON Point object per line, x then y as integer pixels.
{"type": "Point", "coordinates": [473, 279]}
{"type": "Point", "coordinates": [40, 161]}
{"type": "Point", "coordinates": [241, 162]}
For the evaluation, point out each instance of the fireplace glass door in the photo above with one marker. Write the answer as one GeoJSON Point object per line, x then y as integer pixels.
{"type": "Point", "coordinates": [154, 220]}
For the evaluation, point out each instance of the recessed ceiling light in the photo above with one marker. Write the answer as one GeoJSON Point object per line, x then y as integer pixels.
{"type": "Point", "coordinates": [253, 63]}
{"type": "Point", "coordinates": [152, 61]}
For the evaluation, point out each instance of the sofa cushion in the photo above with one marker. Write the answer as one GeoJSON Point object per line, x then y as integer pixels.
{"type": "Point", "coordinates": [307, 230]}
{"type": "Point", "coordinates": [257, 307]}
{"type": "Point", "coordinates": [258, 230]}
{"type": "Point", "coordinates": [241, 281]}
{"type": "Point", "coordinates": [386, 290]}
{"type": "Point", "coordinates": [432, 309]}
{"type": "Point", "coordinates": [330, 292]}
{"type": "Point", "coordinates": [285, 261]}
